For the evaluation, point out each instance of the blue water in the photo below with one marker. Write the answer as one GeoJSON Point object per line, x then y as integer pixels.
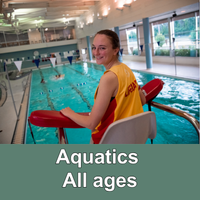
{"type": "Point", "coordinates": [76, 90]}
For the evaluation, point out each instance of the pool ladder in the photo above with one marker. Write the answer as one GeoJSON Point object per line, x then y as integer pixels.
{"type": "Point", "coordinates": [179, 113]}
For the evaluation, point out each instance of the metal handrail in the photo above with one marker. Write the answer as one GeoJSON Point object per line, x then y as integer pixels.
{"type": "Point", "coordinates": [179, 113]}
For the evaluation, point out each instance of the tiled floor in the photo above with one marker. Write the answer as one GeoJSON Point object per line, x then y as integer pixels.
{"type": "Point", "coordinates": [7, 112]}
{"type": "Point", "coordinates": [188, 72]}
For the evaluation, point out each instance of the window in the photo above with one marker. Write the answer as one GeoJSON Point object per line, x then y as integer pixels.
{"type": "Point", "coordinates": [60, 33]}
{"type": "Point", "coordinates": [23, 36]}
{"type": "Point", "coordinates": [2, 41]}
{"type": "Point", "coordinates": [161, 43]}
{"type": "Point", "coordinates": [2, 38]}
{"type": "Point", "coordinates": [10, 37]}
{"type": "Point", "coordinates": [186, 34]}
{"type": "Point", "coordinates": [49, 35]}
{"type": "Point", "coordinates": [132, 41]}
{"type": "Point", "coordinates": [83, 51]}
{"type": "Point", "coordinates": [123, 41]}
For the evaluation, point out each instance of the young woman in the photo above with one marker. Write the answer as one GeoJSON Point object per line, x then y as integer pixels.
{"type": "Point", "coordinates": [117, 95]}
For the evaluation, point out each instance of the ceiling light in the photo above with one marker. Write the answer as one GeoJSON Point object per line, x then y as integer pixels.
{"type": "Point", "coordinates": [46, 29]}
{"type": "Point", "coordinates": [63, 14]}
{"type": "Point", "coordinates": [127, 5]}
{"type": "Point", "coordinates": [97, 14]}
{"type": "Point", "coordinates": [119, 9]}
{"type": "Point", "coordinates": [105, 14]}
{"type": "Point", "coordinates": [109, 8]}
{"type": "Point", "coordinates": [67, 14]}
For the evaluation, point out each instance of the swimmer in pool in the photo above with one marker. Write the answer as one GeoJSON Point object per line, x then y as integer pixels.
{"type": "Point", "coordinates": [117, 96]}
{"type": "Point", "coordinates": [59, 76]}
{"type": "Point", "coordinates": [42, 81]}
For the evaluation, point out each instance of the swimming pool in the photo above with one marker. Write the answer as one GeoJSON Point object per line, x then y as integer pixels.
{"type": "Point", "coordinates": [77, 89]}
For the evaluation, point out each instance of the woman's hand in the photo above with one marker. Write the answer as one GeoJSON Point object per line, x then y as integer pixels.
{"type": "Point", "coordinates": [142, 97]}
{"type": "Point", "coordinates": [108, 87]}
{"type": "Point", "coordinates": [67, 112]}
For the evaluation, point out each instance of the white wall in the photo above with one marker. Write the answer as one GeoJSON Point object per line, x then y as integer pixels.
{"type": "Point", "coordinates": [34, 37]}
{"type": "Point", "coordinates": [139, 9]}
{"type": "Point", "coordinates": [82, 44]}
{"type": "Point", "coordinates": [36, 46]}
{"type": "Point", "coordinates": [123, 41]}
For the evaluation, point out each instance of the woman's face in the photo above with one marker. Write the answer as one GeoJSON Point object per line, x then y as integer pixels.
{"type": "Point", "coordinates": [102, 50]}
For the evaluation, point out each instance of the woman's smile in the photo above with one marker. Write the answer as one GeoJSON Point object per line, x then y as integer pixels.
{"type": "Point", "coordinates": [103, 51]}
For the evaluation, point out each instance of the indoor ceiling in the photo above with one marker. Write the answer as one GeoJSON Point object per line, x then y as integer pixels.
{"type": "Point", "coordinates": [23, 14]}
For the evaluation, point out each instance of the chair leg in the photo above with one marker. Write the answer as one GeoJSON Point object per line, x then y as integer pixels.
{"type": "Point", "coordinates": [62, 137]}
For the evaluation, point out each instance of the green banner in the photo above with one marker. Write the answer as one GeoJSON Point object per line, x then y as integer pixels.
{"type": "Point", "coordinates": [155, 172]}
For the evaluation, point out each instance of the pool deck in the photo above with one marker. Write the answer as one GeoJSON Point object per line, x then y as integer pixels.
{"type": "Point", "coordinates": [7, 112]}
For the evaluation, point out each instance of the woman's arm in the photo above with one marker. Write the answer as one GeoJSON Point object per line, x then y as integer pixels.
{"type": "Point", "coordinates": [142, 97]}
{"type": "Point", "coordinates": [107, 88]}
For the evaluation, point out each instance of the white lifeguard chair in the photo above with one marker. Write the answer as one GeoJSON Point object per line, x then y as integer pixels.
{"type": "Point", "coordinates": [131, 130]}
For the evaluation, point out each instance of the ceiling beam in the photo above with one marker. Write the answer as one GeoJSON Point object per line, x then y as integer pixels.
{"type": "Point", "coordinates": [56, 4]}
{"type": "Point", "coordinates": [46, 4]}
{"type": "Point", "coordinates": [60, 17]}
{"type": "Point", "coordinates": [74, 0]}
{"type": "Point", "coordinates": [1, 5]}
{"type": "Point", "coordinates": [47, 1]}
{"type": "Point", "coordinates": [68, 8]}
{"type": "Point", "coordinates": [32, 14]}
{"type": "Point", "coordinates": [28, 5]}
{"type": "Point", "coordinates": [61, 13]}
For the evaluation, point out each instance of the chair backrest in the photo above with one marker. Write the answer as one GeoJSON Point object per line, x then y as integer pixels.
{"type": "Point", "coordinates": [131, 130]}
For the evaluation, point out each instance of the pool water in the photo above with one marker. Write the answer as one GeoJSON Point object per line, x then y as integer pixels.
{"type": "Point", "coordinates": [76, 90]}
